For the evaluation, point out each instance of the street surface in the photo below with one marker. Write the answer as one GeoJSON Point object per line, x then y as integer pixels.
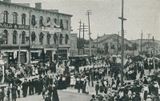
{"type": "Point", "coordinates": [63, 96]}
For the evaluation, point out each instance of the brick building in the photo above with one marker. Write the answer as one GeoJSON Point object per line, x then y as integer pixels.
{"type": "Point", "coordinates": [33, 31]}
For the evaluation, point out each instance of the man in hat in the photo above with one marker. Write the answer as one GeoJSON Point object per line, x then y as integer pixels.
{"type": "Point", "coordinates": [25, 88]}
{"type": "Point", "coordinates": [97, 87]}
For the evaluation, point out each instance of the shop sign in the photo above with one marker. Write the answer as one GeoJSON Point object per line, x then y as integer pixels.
{"type": "Point", "coordinates": [14, 26]}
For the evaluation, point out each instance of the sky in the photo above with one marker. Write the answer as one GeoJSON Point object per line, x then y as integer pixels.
{"type": "Point", "coordinates": [142, 15]}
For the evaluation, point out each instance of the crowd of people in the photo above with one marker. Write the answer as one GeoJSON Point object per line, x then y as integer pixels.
{"type": "Point", "coordinates": [102, 74]}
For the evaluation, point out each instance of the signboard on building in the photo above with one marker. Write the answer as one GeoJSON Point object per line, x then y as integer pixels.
{"type": "Point", "coordinates": [14, 26]}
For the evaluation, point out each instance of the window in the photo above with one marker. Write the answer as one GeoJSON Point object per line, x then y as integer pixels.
{"type": "Point", "coordinates": [67, 26]}
{"type": "Point", "coordinates": [23, 37]}
{"type": "Point", "coordinates": [33, 21]}
{"type": "Point", "coordinates": [23, 19]}
{"type": "Point", "coordinates": [61, 24]}
{"type": "Point", "coordinates": [48, 38]}
{"type": "Point", "coordinates": [5, 17]}
{"type": "Point", "coordinates": [5, 37]}
{"type": "Point", "coordinates": [60, 39]}
{"type": "Point", "coordinates": [41, 38]}
{"type": "Point", "coordinates": [15, 37]}
{"type": "Point", "coordinates": [33, 36]}
{"type": "Point", "coordinates": [55, 38]}
{"type": "Point", "coordinates": [48, 22]}
{"type": "Point", "coordinates": [55, 21]}
{"type": "Point", "coordinates": [15, 15]}
{"type": "Point", "coordinates": [66, 39]}
{"type": "Point", "coordinates": [41, 21]}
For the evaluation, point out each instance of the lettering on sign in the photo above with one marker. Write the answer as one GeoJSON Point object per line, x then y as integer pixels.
{"type": "Point", "coordinates": [14, 26]}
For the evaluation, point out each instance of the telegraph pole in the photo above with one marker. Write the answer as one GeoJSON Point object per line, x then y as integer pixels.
{"type": "Point", "coordinates": [141, 42]}
{"type": "Point", "coordinates": [79, 37]}
{"type": "Point", "coordinates": [83, 37]}
{"type": "Point", "coordinates": [154, 65]}
{"type": "Point", "coordinates": [89, 31]}
{"type": "Point", "coordinates": [148, 42]}
{"type": "Point", "coordinates": [122, 41]}
{"type": "Point", "coordinates": [117, 42]}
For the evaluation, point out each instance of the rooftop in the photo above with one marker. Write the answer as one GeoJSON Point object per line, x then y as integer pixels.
{"type": "Point", "coordinates": [32, 8]}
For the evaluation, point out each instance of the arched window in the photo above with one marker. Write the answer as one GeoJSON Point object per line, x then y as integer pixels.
{"type": "Point", "coordinates": [48, 38]}
{"type": "Point", "coordinates": [60, 39]}
{"type": "Point", "coordinates": [61, 24]}
{"type": "Point", "coordinates": [5, 17]}
{"type": "Point", "coordinates": [33, 21]}
{"type": "Point", "coordinates": [15, 37]}
{"type": "Point", "coordinates": [33, 36]}
{"type": "Point", "coordinates": [5, 37]}
{"type": "Point", "coordinates": [23, 19]}
{"type": "Point", "coordinates": [23, 37]}
{"type": "Point", "coordinates": [55, 38]}
{"type": "Point", "coordinates": [41, 36]}
{"type": "Point", "coordinates": [41, 21]}
{"type": "Point", "coordinates": [66, 39]}
{"type": "Point", "coordinates": [15, 17]}
{"type": "Point", "coordinates": [48, 22]}
{"type": "Point", "coordinates": [55, 21]}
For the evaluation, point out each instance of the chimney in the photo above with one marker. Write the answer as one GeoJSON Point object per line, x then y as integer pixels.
{"type": "Point", "coordinates": [38, 5]}
{"type": "Point", "coordinates": [8, 1]}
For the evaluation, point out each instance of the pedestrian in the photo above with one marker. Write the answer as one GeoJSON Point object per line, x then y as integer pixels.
{"type": "Point", "coordinates": [55, 96]}
{"type": "Point", "coordinates": [25, 88]}
{"type": "Point", "coordinates": [18, 90]}
{"type": "Point", "coordinates": [14, 93]}
{"type": "Point", "coordinates": [97, 88]}
{"type": "Point", "coordinates": [93, 98]}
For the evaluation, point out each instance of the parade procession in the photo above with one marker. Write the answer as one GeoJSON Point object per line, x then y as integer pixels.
{"type": "Point", "coordinates": [105, 50]}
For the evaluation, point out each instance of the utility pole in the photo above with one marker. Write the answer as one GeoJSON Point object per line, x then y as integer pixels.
{"type": "Point", "coordinates": [97, 43]}
{"type": "Point", "coordinates": [148, 42]}
{"type": "Point", "coordinates": [122, 41]}
{"type": "Point", "coordinates": [89, 32]}
{"type": "Point", "coordinates": [79, 37]}
{"type": "Point", "coordinates": [117, 42]}
{"type": "Point", "coordinates": [83, 37]}
{"type": "Point", "coordinates": [154, 65]}
{"type": "Point", "coordinates": [141, 42]}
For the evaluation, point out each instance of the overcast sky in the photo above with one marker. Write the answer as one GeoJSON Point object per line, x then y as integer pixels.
{"type": "Point", "coordinates": [142, 15]}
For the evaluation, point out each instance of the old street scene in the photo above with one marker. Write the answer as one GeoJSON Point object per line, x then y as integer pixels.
{"type": "Point", "coordinates": [79, 50]}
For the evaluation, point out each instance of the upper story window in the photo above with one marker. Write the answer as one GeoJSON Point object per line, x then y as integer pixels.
{"type": "Point", "coordinates": [61, 24]}
{"type": "Point", "coordinates": [15, 18]}
{"type": "Point", "coordinates": [33, 21]}
{"type": "Point", "coordinates": [55, 38]}
{"type": "Point", "coordinates": [15, 37]}
{"type": "Point", "coordinates": [48, 22]}
{"type": "Point", "coordinates": [55, 21]}
{"type": "Point", "coordinates": [41, 21]}
{"type": "Point", "coordinates": [60, 39]}
{"type": "Point", "coordinates": [5, 37]}
{"type": "Point", "coordinates": [66, 39]}
{"type": "Point", "coordinates": [67, 25]}
{"type": "Point", "coordinates": [23, 19]}
{"type": "Point", "coordinates": [41, 36]}
{"type": "Point", "coordinates": [48, 38]}
{"type": "Point", "coordinates": [5, 17]}
{"type": "Point", "coordinates": [23, 37]}
{"type": "Point", "coordinates": [33, 37]}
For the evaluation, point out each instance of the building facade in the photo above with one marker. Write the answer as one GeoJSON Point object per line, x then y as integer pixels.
{"type": "Point", "coordinates": [33, 32]}
{"type": "Point", "coordinates": [73, 44]}
{"type": "Point", "coordinates": [111, 44]}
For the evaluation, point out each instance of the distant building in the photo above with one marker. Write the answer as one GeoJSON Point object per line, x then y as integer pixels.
{"type": "Point", "coordinates": [73, 44]}
{"type": "Point", "coordinates": [35, 30]}
{"type": "Point", "coordinates": [111, 44]}
{"type": "Point", "coordinates": [148, 45]}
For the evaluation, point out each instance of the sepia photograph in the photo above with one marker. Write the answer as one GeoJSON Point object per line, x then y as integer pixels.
{"type": "Point", "coordinates": [79, 50]}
